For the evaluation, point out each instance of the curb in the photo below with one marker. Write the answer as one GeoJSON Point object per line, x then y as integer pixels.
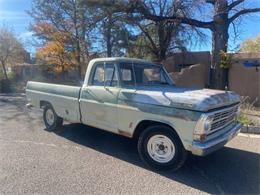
{"type": "Point", "coordinates": [256, 136]}
{"type": "Point", "coordinates": [250, 129]}
{"type": "Point", "coordinates": [12, 94]}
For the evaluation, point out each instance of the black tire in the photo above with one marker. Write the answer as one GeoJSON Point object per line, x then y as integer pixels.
{"type": "Point", "coordinates": [179, 156]}
{"type": "Point", "coordinates": [57, 121]}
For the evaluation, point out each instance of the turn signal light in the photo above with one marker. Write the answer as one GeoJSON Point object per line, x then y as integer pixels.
{"type": "Point", "coordinates": [200, 137]}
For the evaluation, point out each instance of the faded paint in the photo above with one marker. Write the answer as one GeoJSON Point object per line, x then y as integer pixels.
{"type": "Point", "coordinates": [162, 110]}
{"type": "Point", "coordinates": [124, 133]}
{"type": "Point", "coordinates": [183, 98]}
{"type": "Point", "coordinates": [120, 110]}
{"type": "Point", "coordinates": [64, 90]}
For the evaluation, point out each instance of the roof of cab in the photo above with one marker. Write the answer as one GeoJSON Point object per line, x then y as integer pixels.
{"type": "Point", "coordinates": [113, 59]}
{"type": "Point", "coordinates": [120, 59]}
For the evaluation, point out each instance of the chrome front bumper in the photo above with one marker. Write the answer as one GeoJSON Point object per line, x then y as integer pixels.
{"type": "Point", "coordinates": [204, 148]}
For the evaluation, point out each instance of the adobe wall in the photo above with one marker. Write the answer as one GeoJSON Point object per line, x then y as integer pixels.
{"type": "Point", "coordinates": [193, 76]}
{"type": "Point", "coordinates": [243, 80]}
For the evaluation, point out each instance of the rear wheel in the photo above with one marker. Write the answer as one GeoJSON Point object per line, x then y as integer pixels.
{"type": "Point", "coordinates": [51, 120]}
{"type": "Point", "coordinates": [161, 149]}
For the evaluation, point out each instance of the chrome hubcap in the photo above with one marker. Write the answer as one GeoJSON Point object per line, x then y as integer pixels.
{"type": "Point", "coordinates": [49, 117]}
{"type": "Point", "coordinates": [160, 148]}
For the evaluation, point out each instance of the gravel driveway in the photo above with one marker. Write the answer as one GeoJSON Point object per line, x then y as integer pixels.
{"type": "Point", "coordinates": [83, 160]}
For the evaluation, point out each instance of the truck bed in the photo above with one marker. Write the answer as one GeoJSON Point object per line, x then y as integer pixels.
{"type": "Point", "coordinates": [63, 98]}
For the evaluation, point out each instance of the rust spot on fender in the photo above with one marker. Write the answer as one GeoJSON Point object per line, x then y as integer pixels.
{"type": "Point", "coordinates": [124, 133]}
{"type": "Point", "coordinates": [131, 125]}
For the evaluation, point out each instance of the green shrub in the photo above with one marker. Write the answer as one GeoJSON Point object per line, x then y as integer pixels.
{"type": "Point", "coordinates": [11, 75]}
{"type": "Point", "coordinates": [1, 75]}
{"type": "Point", "coordinates": [226, 60]}
{"type": "Point", "coordinates": [244, 120]}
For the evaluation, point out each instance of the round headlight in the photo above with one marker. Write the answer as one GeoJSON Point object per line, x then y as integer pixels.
{"type": "Point", "coordinates": [207, 124]}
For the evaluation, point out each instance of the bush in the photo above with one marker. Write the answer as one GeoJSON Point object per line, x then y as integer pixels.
{"type": "Point", "coordinates": [249, 113]}
{"type": "Point", "coordinates": [5, 86]}
{"type": "Point", "coordinates": [11, 75]}
{"type": "Point", "coordinates": [244, 120]}
{"type": "Point", "coordinates": [1, 75]}
{"type": "Point", "coordinates": [226, 60]}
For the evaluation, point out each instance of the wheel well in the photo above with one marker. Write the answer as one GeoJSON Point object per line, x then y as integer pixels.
{"type": "Point", "coordinates": [146, 123]}
{"type": "Point", "coordinates": [44, 103]}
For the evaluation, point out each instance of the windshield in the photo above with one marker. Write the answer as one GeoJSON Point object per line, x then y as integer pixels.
{"type": "Point", "coordinates": [143, 74]}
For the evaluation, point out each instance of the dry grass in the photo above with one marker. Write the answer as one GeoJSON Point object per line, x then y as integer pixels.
{"type": "Point", "coordinates": [250, 115]}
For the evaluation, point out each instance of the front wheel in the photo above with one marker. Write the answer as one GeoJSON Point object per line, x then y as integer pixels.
{"type": "Point", "coordinates": [161, 149]}
{"type": "Point", "coordinates": [51, 120]}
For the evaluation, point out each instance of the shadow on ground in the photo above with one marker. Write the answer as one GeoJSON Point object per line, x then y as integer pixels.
{"type": "Point", "coordinates": [227, 171]}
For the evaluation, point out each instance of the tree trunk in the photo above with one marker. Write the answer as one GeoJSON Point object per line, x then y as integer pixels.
{"type": "Point", "coordinates": [78, 58]}
{"type": "Point", "coordinates": [82, 33]}
{"type": "Point", "coordinates": [162, 41]}
{"type": "Point", "coordinates": [162, 55]}
{"type": "Point", "coordinates": [62, 73]}
{"type": "Point", "coordinates": [109, 45]}
{"type": "Point", "coordinates": [78, 49]}
{"type": "Point", "coordinates": [219, 43]}
{"type": "Point", "coordinates": [4, 70]}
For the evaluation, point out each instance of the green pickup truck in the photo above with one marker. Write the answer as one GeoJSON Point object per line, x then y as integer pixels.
{"type": "Point", "coordinates": [137, 99]}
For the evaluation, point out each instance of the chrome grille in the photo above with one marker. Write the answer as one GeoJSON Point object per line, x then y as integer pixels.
{"type": "Point", "coordinates": [222, 119]}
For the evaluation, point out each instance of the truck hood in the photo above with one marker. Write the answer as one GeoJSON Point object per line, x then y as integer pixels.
{"type": "Point", "coordinates": [184, 98]}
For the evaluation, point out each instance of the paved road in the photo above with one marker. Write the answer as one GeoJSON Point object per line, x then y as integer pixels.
{"type": "Point", "coordinates": [83, 160]}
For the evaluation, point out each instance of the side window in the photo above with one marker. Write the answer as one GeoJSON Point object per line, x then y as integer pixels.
{"type": "Point", "coordinates": [110, 75]}
{"type": "Point", "coordinates": [152, 74]}
{"type": "Point", "coordinates": [126, 73]}
{"type": "Point", "coordinates": [146, 74]}
{"type": "Point", "coordinates": [99, 76]}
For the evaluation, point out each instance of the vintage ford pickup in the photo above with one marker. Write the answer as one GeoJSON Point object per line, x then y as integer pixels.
{"type": "Point", "coordinates": [137, 99]}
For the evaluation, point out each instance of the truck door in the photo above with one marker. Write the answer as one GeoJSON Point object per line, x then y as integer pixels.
{"type": "Point", "coordinates": [99, 98]}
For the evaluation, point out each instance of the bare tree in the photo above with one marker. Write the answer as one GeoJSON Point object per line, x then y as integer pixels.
{"type": "Point", "coordinates": [11, 50]}
{"type": "Point", "coordinates": [110, 27]}
{"type": "Point", "coordinates": [157, 37]}
{"type": "Point", "coordinates": [114, 33]}
{"type": "Point", "coordinates": [160, 35]}
{"type": "Point", "coordinates": [225, 13]}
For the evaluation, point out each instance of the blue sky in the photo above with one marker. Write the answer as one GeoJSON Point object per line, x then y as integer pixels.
{"type": "Point", "coordinates": [13, 13]}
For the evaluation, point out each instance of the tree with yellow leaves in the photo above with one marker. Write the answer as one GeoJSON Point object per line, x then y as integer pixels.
{"type": "Point", "coordinates": [57, 49]}
{"type": "Point", "coordinates": [251, 45]}
{"type": "Point", "coordinates": [69, 18]}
